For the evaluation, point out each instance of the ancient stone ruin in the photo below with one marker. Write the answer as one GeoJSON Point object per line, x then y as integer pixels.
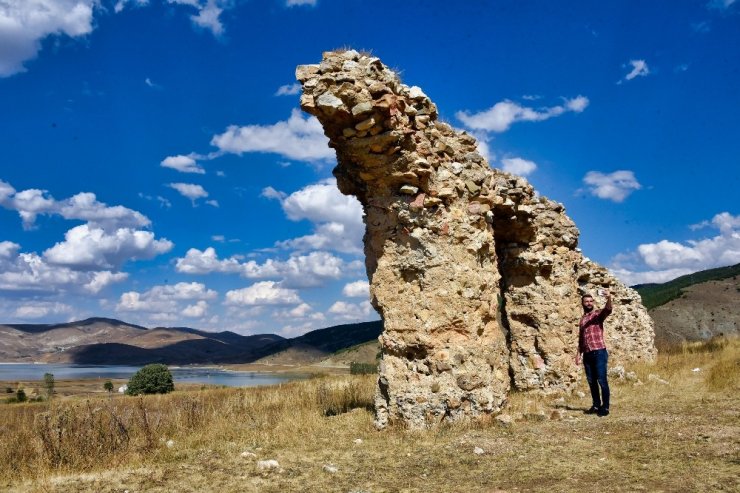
{"type": "Point", "coordinates": [478, 279]}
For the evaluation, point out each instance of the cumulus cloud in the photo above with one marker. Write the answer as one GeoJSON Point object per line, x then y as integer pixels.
{"type": "Point", "coordinates": [288, 90]}
{"type": "Point", "coordinates": [639, 69]}
{"type": "Point", "coordinates": [298, 138]}
{"type": "Point", "coordinates": [357, 289]}
{"type": "Point", "coordinates": [310, 270]}
{"type": "Point", "coordinates": [518, 166]}
{"type": "Point", "coordinates": [39, 309]}
{"type": "Point", "coordinates": [352, 311]}
{"type": "Point", "coordinates": [183, 164]}
{"type": "Point", "coordinates": [169, 299]}
{"type": "Point", "coordinates": [614, 186]}
{"type": "Point", "coordinates": [89, 248]}
{"type": "Point", "coordinates": [666, 260]}
{"type": "Point", "coordinates": [197, 310]}
{"type": "Point", "coordinates": [83, 206]}
{"type": "Point", "coordinates": [503, 114]}
{"type": "Point", "coordinates": [263, 293]}
{"type": "Point", "coordinates": [29, 272]}
{"type": "Point", "coordinates": [337, 218]}
{"type": "Point", "coordinates": [208, 15]}
{"type": "Point", "coordinates": [189, 190]}
{"type": "Point", "coordinates": [24, 24]}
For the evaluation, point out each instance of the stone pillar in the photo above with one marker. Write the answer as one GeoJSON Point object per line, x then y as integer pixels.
{"type": "Point", "coordinates": [476, 279]}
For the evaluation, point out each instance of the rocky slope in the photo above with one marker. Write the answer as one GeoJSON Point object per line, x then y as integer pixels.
{"type": "Point", "coordinates": [702, 311]}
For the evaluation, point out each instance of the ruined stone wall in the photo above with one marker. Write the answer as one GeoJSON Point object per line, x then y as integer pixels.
{"type": "Point", "coordinates": [478, 281]}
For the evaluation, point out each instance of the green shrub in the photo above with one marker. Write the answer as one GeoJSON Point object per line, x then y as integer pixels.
{"type": "Point", "coordinates": [20, 395]}
{"type": "Point", "coordinates": [151, 379]}
{"type": "Point", "coordinates": [49, 384]}
{"type": "Point", "coordinates": [362, 368]}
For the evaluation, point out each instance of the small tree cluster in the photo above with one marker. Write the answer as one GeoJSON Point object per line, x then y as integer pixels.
{"type": "Point", "coordinates": [151, 379]}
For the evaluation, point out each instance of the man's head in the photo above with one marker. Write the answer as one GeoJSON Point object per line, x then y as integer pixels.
{"type": "Point", "coordinates": [587, 302]}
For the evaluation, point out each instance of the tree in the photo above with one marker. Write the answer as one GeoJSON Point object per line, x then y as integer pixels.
{"type": "Point", "coordinates": [151, 379]}
{"type": "Point", "coordinates": [49, 384]}
{"type": "Point", "coordinates": [20, 395]}
{"type": "Point", "coordinates": [108, 386]}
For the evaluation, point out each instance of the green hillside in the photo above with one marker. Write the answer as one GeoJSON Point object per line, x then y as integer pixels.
{"type": "Point", "coordinates": [654, 295]}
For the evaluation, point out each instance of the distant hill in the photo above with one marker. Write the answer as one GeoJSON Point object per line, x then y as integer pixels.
{"type": "Point", "coordinates": [110, 341]}
{"type": "Point", "coordinates": [320, 344]}
{"type": "Point", "coordinates": [654, 295]}
{"type": "Point", "coordinates": [694, 307]}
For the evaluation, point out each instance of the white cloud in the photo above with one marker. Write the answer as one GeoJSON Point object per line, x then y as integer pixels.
{"type": "Point", "coordinates": [614, 186]}
{"type": "Point", "coordinates": [310, 270]}
{"type": "Point", "coordinates": [197, 310]}
{"type": "Point", "coordinates": [352, 311]}
{"type": "Point", "coordinates": [99, 280]}
{"type": "Point", "coordinates": [639, 69]}
{"type": "Point", "coordinates": [40, 309]}
{"type": "Point", "coordinates": [503, 114]}
{"type": "Point", "coordinates": [87, 247]}
{"type": "Point", "coordinates": [169, 299]}
{"type": "Point", "coordinates": [288, 90]}
{"type": "Point", "coordinates": [209, 13]}
{"type": "Point", "coordinates": [357, 289]}
{"type": "Point", "coordinates": [25, 23]}
{"type": "Point", "coordinates": [518, 166]}
{"type": "Point", "coordinates": [311, 3]}
{"type": "Point", "coordinates": [263, 293]}
{"type": "Point", "coordinates": [337, 218]}
{"type": "Point", "coordinates": [298, 138]}
{"type": "Point", "coordinates": [189, 190]}
{"type": "Point", "coordinates": [208, 17]}
{"type": "Point", "coordinates": [28, 272]}
{"type": "Point", "coordinates": [122, 4]}
{"type": "Point", "coordinates": [83, 206]}
{"type": "Point", "coordinates": [183, 164]}
{"type": "Point", "coordinates": [666, 260]}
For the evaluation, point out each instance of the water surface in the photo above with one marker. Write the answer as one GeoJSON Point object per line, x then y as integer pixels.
{"type": "Point", "coordinates": [205, 375]}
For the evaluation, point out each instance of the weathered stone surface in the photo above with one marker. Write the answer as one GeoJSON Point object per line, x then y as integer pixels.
{"type": "Point", "coordinates": [478, 280]}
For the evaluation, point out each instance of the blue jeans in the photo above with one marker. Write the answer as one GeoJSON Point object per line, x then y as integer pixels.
{"type": "Point", "coordinates": [595, 364]}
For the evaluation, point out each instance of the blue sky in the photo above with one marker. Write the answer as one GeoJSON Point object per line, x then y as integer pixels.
{"type": "Point", "coordinates": [155, 166]}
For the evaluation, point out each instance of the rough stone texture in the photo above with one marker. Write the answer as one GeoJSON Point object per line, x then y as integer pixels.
{"type": "Point", "coordinates": [477, 279]}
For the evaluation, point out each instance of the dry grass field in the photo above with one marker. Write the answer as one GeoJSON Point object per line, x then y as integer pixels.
{"type": "Point", "coordinates": [679, 436]}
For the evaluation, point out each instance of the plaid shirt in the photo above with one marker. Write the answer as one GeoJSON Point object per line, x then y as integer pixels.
{"type": "Point", "coordinates": [591, 330]}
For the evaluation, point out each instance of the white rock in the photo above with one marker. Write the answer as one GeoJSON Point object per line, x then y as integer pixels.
{"type": "Point", "coordinates": [456, 167]}
{"type": "Point", "coordinates": [580, 394]}
{"type": "Point", "coordinates": [415, 92]}
{"type": "Point", "coordinates": [478, 451]}
{"type": "Point", "coordinates": [248, 455]}
{"type": "Point", "coordinates": [329, 101]}
{"type": "Point", "coordinates": [656, 378]}
{"type": "Point", "coordinates": [696, 369]}
{"type": "Point", "coordinates": [266, 465]}
{"type": "Point", "coordinates": [330, 469]}
{"type": "Point", "coordinates": [170, 443]}
{"type": "Point", "coordinates": [358, 441]}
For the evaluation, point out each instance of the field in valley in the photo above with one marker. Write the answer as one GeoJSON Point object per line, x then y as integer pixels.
{"type": "Point", "coordinates": [683, 435]}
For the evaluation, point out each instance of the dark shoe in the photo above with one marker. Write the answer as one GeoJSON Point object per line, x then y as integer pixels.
{"type": "Point", "coordinates": [603, 411]}
{"type": "Point", "coordinates": [592, 410]}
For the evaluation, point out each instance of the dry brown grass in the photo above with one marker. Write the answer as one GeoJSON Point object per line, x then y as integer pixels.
{"type": "Point", "coordinates": [684, 436]}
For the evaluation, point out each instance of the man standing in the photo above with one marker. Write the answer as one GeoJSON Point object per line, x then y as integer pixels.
{"type": "Point", "coordinates": [592, 348]}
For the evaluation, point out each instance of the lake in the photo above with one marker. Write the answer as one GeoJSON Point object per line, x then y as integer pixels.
{"type": "Point", "coordinates": [205, 375]}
